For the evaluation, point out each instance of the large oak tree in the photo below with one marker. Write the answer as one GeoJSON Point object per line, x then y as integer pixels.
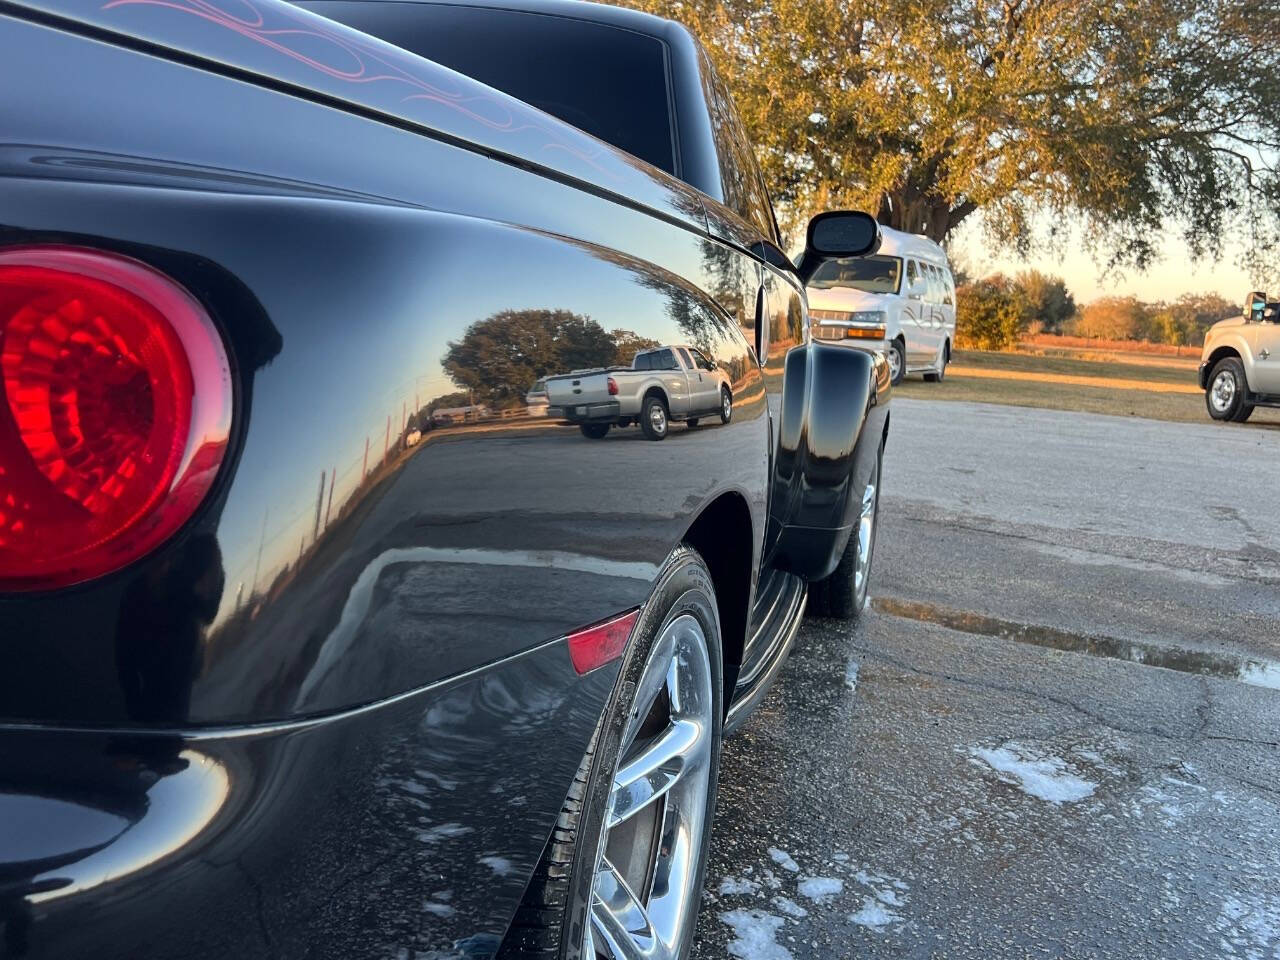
{"type": "Point", "coordinates": [1132, 115]}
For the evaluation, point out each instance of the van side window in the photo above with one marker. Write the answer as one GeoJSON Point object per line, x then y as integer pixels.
{"type": "Point", "coordinates": [949, 288]}
{"type": "Point", "coordinates": [913, 276]}
{"type": "Point", "coordinates": [935, 283]}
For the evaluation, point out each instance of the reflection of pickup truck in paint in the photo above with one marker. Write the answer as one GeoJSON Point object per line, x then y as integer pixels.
{"type": "Point", "coordinates": [661, 385]}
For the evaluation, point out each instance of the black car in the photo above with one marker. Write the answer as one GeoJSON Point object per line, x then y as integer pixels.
{"type": "Point", "coordinates": [281, 675]}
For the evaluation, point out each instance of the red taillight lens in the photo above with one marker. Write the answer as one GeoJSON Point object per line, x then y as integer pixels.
{"type": "Point", "coordinates": [613, 387]}
{"type": "Point", "coordinates": [598, 645]}
{"type": "Point", "coordinates": [116, 412]}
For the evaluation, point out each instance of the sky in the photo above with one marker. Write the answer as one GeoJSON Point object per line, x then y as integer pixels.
{"type": "Point", "coordinates": [1174, 274]}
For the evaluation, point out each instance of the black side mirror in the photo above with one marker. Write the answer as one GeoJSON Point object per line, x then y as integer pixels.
{"type": "Point", "coordinates": [1254, 305]}
{"type": "Point", "coordinates": [837, 234]}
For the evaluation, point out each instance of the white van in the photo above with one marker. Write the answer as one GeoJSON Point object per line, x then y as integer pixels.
{"type": "Point", "coordinates": [901, 300]}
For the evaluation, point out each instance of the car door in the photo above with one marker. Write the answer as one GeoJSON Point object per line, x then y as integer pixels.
{"type": "Point", "coordinates": [1264, 339]}
{"type": "Point", "coordinates": [704, 388]}
{"type": "Point", "coordinates": [917, 322]}
{"type": "Point", "coordinates": [675, 380]}
{"type": "Point", "coordinates": [949, 305]}
{"type": "Point", "coordinates": [937, 309]}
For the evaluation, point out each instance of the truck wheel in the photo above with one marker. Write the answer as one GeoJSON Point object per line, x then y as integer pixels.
{"type": "Point", "coordinates": [609, 882]}
{"type": "Point", "coordinates": [897, 362]}
{"type": "Point", "coordinates": [1226, 397]}
{"type": "Point", "coordinates": [596, 431]}
{"type": "Point", "coordinates": [843, 595]}
{"type": "Point", "coordinates": [726, 406]}
{"type": "Point", "coordinates": [653, 418]}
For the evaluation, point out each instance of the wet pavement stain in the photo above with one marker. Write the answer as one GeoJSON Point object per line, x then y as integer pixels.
{"type": "Point", "coordinates": [1255, 672]}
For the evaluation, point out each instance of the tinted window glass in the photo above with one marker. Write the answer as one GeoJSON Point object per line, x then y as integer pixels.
{"type": "Point", "coordinates": [740, 177]}
{"type": "Point", "coordinates": [612, 83]}
{"type": "Point", "coordinates": [913, 275]}
{"type": "Point", "coordinates": [665, 360]}
{"type": "Point", "coordinates": [643, 361]}
{"type": "Point", "coordinates": [684, 355]}
{"type": "Point", "coordinates": [949, 294]}
{"type": "Point", "coordinates": [875, 274]}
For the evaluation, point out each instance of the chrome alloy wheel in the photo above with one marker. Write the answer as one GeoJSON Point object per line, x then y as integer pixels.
{"type": "Point", "coordinates": [726, 406]}
{"type": "Point", "coordinates": [1223, 391]}
{"type": "Point", "coordinates": [643, 897]}
{"type": "Point", "coordinates": [895, 363]}
{"type": "Point", "coordinates": [866, 533]}
{"type": "Point", "coordinates": [658, 419]}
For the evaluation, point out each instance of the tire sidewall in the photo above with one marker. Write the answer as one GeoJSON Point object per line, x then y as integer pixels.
{"type": "Point", "coordinates": [646, 424]}
{"type": "Point", "coordinates": [1236, 369]}
{"type": "Point", "coordinates": [726, 403]}
{"type": "Point", "coordinates": [860, 601]}
{"type": "Point", "coordinates": [897, 347]}
{"type": "Point", "coordinates": [683, 586]}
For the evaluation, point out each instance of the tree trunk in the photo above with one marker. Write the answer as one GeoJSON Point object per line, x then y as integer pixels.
{"type": "Point", "coordinates": [910, 211]}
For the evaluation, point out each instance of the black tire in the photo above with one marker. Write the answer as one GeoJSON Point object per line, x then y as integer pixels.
{"type": "Point", "coordinates": [548, 924]}
{"type": "Point", "coordinates": [691, 423]}
{"type": "Point", "coordinates": [1236, 407]}
{"type": "Point", "coordinates": [938, 375]}
{"type": "Point", "coordinates": [595, 431]}
{"type": "Point", "coordinates": [900, 348]}
{"type": "Point", "coordinates": [624, 422]}
{"type": "Point", "coordinates": [651, 429]}
{"type": "Point", "coordinates": [726, 405]}
{"type": "Point", "coordinates": [838, 595]}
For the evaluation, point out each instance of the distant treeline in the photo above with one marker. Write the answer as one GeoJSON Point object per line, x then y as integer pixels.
{"type": "Point", "coordinates": [996, 311]}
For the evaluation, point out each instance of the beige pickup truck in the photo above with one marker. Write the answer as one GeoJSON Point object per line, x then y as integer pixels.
{"type": "Point", "coordinates": [1240, 363]}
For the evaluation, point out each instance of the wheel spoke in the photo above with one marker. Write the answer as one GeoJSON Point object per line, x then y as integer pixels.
{"type": "Point", "coordinates": [655, 770]}
{"type": "Point", "coordinates": [618, 920]}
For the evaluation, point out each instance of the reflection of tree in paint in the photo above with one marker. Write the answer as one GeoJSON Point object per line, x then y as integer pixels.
{"type": "Point", "coordinates": [500, 357]}
{"type": "Point", "coordinates": [627, 343]}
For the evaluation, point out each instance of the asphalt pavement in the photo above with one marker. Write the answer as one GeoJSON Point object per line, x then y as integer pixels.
{"type": "Point", "coordinates": [1056, 733]}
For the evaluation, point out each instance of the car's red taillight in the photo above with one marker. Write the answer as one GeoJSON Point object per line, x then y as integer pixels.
{"type": "Point", "coordinates": [613, 387]}
{"type": "Point", "coordinates": [116, 412]}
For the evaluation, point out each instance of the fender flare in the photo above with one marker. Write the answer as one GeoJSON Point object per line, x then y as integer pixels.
{"type": "Point", "coordinates": [826, 395]}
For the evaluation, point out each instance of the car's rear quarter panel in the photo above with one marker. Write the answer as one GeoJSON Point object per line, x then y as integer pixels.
{"type": "Point", "coordinates": [363, 670]}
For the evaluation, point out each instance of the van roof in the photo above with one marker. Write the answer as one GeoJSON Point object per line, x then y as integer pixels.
{"type": "Point", "coordinates": [900, 243]}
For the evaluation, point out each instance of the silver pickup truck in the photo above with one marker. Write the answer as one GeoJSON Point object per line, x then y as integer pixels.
{"type": "Point", "coordinates": [662, 384]}
{"type": "Point", "coordinates": [1240, 362]}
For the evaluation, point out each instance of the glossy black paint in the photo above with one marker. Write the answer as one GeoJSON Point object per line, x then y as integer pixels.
{"type": "Point", "coordinates": [834, 421]}
{"type": "Point", "coordinates": [334, 716]}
